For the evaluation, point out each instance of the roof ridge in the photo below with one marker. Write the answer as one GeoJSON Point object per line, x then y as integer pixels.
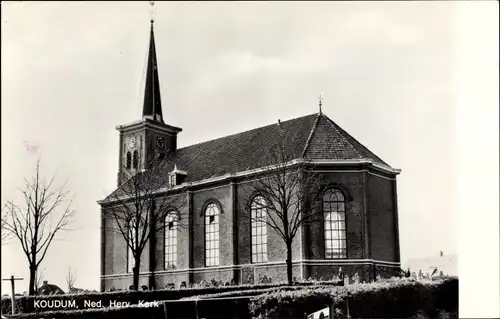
{"type": "Point", "coordinates": [309, 138]}
{"type": "Point", "coordinates": [337, 127]}
{"type": "Point", "coordinates": [338, 132]}
{"type": "Point", "coordinates": [254, 129]}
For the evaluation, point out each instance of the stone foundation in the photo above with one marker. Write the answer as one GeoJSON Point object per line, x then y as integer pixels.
{"type": "Point", "coordinates": [302, 270]}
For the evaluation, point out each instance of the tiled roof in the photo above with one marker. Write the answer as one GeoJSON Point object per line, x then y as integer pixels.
{"type": "Point", "coordinates": [330, 141]}
{"type": "Point", "coordinates": [49, 289]}
{"type": "Point", "coordinates": [243, 151]}
{"type": "Point", "coordinates": [313, 136]}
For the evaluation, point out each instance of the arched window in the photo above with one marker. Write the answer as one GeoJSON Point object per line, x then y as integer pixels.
{"type": "Point", "coordinates": [259, 230]}
{"type": "Point", "coordinates": [335, 230]}
{"type": "Point", "coordinates": [170, 241]}
{"type": "Point", "coordinates": [136, 159]}
{"type": "Point", "coordinates": [129, 160]}
{"type": "Point", "coordinates": [212, 235]}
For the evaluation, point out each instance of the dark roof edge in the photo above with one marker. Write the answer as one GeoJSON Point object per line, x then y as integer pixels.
{"type": "Point", "coordinates": [369, 161]}
{"type": "Point", "coordinates": [337, 127]}
{"type": "Point", "coordinates": [146, 122]}
{"type": "Point", "coordinates": [313, 129]}
{"type": "Point", "coordinates": [330, 121]}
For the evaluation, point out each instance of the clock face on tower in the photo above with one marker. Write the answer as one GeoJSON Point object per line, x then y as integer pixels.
{"type": "Point", "coordinates": [131, 142]}
{"type": "Point", "coordinates": [160, 143]}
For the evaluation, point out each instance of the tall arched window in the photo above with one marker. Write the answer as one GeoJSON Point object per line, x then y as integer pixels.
{"type": "Point", "coordinates": [212, 235]}
{"type": "Point", "coordinates": [129, 160]}
{"type": "Point", "coordinates": [259, 230]}
{"type": "Point", "coordinates": [170, 241]}
{"type": "Point", "coordinates": [136, 159]}
{"type": "Point", "coordinates": [335, 230]}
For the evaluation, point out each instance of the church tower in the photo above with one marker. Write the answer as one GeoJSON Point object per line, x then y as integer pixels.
{"type": "Point", "coordinates": [150, 137]}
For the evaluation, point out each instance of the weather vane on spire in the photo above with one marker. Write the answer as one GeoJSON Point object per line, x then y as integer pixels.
{"type": "Point", "coordinates": [320, 102]}
{"type": "Point", "coordinates": [152, 4]}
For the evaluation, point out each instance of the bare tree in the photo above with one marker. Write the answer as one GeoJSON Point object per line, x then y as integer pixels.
{"type": "Point", "coordinates": [46, 211]}
{"type": "Point", "coordinates": [139, 208]}
{"type": "Point", "coordinates": [6, 235]}
{"type": "Point", "coordinates": [39, 276]}
{"type": "Point", "coordinates": [288, 197]}
{"type": "Point", "coordinates": [70, 280]}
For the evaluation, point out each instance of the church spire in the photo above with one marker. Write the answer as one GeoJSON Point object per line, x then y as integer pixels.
{"type": "Point", "coordinates": [152, 100]}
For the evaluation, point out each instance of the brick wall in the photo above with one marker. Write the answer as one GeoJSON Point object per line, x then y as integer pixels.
{"type": "Point", "coordinates": [277, 272]}
{"type": "Point", "coordinates": [222, 273]}
{"type": "Point", "coordinates": [150, 142]}
{"type": "Point", "coordinates": [381, 219]}
{"type": "Point", "coordinates": [124, 282]}
{"type": "Point", "coordinates": [175, 277]}
{"type": "Point", "coordinates": [116, 251]}
{"type": "Point", "coordinates": [244, 225]}
{"type": "Point", "coordinates": [327, 271]}
{"type": "Point", "coordinates": [182, 238]}
{"type": "Point", "coordinates": [366, 271]}
{"type": "Point", "coordinates": [276, 247]}
{"type": "Point", "coordinates": [351, 183]}
{"type": "Point", "coordinates": [221, 196]}
{"type": "Point", "coordinates": [365, 194]}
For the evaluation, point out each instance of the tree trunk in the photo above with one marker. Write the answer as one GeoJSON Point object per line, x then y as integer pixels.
{"type": "Point", "coordinates": [32, 283]}
{"type": "Point", "coordinates": [152, 280]}
{"type": "Point", "coordinates": [136, 268]}
{"type": "Point", "coordinates": [289, 272]}
{"type": "Point", "coordinates": [152, 249]}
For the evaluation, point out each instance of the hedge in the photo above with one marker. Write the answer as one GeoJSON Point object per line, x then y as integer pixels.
{"type": "Point", "coordinates": [253, 292]}
{"type": "Point", "coordinates": [26, 304]}
{"type": "Point", "coordinates": [132, 311]}
{"type": "Point", "coordinates": [220, 308]}
{"type": "Point", "coordinates": [399, 298]}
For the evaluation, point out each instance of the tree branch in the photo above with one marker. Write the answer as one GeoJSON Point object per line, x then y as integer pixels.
{"type": "Point", "coordinates": [32, 223]}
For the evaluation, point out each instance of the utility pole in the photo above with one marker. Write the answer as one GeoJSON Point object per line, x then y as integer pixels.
{"type": "Point", "coordinates": [13, 292]}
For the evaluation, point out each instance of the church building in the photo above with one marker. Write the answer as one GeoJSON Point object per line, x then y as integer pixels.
{"type": "Point", "coordinates": [358, 189]}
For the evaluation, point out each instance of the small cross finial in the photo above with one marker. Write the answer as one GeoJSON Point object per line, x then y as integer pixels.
{"type": "Point", "coordinates": [320, 102]}
{"type": "Point", "coordinates": [152, 4]}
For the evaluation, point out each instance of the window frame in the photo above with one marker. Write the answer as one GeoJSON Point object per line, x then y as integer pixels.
{"type": "Point", "coordinates": [216, 233]}
{"type": "Point", "coordinates": [128, 160]}
{"type": "Point", "coordinates": [168, 264]}
{"type": "Point", "coordinates": [172, 179]}
{"type": "Point", "coordinates": [341, 251]}
{"type": "Point", "coordinates": [261, 226]}
{"type": "Point", "coordinates": [135, 159]}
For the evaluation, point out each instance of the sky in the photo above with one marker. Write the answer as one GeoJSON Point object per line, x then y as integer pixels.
{"type": "Point", "coordinates": [73, 71]}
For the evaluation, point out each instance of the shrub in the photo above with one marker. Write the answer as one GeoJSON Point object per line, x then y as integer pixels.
{"type": "Point", "coordinates": [25, 304]}
{"type": "Point", "coordinates": [256, 290]}
{"type": "Point", "coordinates": [393, 298]}
{"type": "Point", "coordinates": [97, 313]}
{"type": "Point", "coordinates": [239, 293]}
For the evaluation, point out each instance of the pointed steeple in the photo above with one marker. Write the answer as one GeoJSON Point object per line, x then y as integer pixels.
{"type": "Point", "coordinates": [152, 99]}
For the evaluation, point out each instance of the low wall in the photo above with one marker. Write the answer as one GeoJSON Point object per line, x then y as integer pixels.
{"type": "Point", "coordinates": [123, 282]}
{"type": "Point", "coordinates": [163, 278]}
{"type": "Point", "coordinates": [366, 272]}
{"type": "Point", "coordinates": [219, 274]}
{"type": "Point", "coordinates": [302, 270]}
